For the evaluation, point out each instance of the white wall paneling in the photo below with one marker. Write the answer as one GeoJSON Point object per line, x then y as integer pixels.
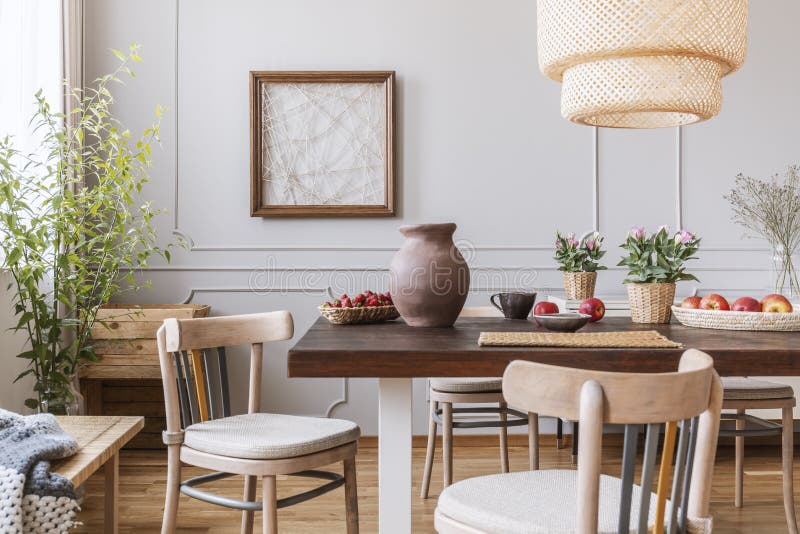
{"type": "Point", "coordinates": [480, 142]}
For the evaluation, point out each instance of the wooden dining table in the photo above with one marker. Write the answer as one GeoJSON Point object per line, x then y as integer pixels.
{"type": "Point", "coordinates": [395, 353]}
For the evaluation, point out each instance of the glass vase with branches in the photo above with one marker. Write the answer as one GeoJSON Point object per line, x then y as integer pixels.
{"type": "Point", "coordinates": [770, 209]}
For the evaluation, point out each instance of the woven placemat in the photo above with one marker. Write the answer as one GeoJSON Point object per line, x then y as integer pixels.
{"type": "Point", "coordinates": [636, 339]}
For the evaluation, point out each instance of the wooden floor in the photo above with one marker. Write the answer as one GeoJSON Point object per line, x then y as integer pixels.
{"type": "Point", "coordinates": [142, 475]}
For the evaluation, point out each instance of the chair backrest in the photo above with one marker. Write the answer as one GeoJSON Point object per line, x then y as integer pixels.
{"type": "Point", "coordinates": [194, 369]}
{"type": "Point", "coordinates": [686, 402]}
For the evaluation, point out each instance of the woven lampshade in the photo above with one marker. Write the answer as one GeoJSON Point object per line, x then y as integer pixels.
{"type": "Point", "coordinates": [641, 64]}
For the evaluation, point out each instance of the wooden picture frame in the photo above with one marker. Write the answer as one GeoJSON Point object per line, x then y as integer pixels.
{"type": "Point", "coordinates": [378, 203]}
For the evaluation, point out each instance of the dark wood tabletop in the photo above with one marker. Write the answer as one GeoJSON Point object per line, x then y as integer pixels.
{"type": "Point", "coordinates": [396, 350]}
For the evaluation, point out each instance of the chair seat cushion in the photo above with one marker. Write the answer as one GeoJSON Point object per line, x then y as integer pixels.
{"type": "Point", "coordinates": [533, 502]}
{"type": "Point", "coordinates": [266, 436]}
{"type": "Point", "coordinates": [737, 388]}
{"type": "Point", "coordinates": [467, 385]}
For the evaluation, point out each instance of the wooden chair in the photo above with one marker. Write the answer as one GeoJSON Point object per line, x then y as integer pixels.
{"type": "Point", "coordinates": [584, 500]}
{"type": "Point", "coordinates": [443, 393]}
{"type": "Point", "coordinates": [742, 394]}
{"type": "Point", "coordinates": [201, 431]}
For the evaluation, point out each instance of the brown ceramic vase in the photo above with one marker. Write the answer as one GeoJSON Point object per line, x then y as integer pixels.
{"type": "Point", "coordinates": [429, 278]}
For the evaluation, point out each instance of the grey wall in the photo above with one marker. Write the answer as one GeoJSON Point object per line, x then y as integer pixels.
{"type": "Point", "coordinates": [480, 143]}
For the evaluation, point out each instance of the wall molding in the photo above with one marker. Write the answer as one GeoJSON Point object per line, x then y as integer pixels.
{"type": "Point", "coordinates": [679, 177]}
{"type": "Point", "coordinates": [196, 268]}
{"type": "Point", "coordinates": [595, 178]}
{"type": "Point", "coordinates": [194, 247]}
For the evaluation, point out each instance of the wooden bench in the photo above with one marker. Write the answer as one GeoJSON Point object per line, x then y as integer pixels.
{"type": "Point", "coordinates": [100, 438]}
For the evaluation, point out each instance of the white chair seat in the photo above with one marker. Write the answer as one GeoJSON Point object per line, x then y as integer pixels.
{"type": "Point", "coordinates": [533, 502]}
{"type": "Point", "coordinates": [467, 385]}
{"type": "Point", "coordinates": [738, 388]}
{"type": "Point", "coordinates": [266, 436]}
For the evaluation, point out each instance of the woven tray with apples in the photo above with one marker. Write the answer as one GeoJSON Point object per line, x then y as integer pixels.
{"type": "Point", "coordinates": [366, 307]}
{"type": "Point", "coordinates": [773, 313]}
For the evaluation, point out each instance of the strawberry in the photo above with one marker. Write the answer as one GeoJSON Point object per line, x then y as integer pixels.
{"type": "Point", "coordinates": [344, 296]}
{"type": "Point", "coordinates": [346, 303]}
{"type": "Point", "coordinates": [327, 305]}
{"type": "Point", "coordinates": [388, 298]}
{"type": "Point", "coordinates": [336, 303]}
{"type": "Point", "coordinates": [372, 300]}
{"type": "Point", "coordinates": [359, 299]}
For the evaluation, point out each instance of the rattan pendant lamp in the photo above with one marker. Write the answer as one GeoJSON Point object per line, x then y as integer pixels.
{"type": "Point", "coordinates": [641, 63]}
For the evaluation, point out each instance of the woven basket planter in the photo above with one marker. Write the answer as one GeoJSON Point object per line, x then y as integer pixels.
{"type": "Point", "coordinates": [736, 320]}
{"type": "Point", "coordinates": [367, 314]}
{"type": "Point", "coordinates": [580, 286]}
{"type": "Point", "coordinates": [651, 303]}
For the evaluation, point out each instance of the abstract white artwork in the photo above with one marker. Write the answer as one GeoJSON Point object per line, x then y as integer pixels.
{"type": "Point", "coordinates": [324, 147]}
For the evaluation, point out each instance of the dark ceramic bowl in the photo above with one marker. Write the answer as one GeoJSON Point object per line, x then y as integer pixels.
{"type": "Point", "coordinates": [563, 322]}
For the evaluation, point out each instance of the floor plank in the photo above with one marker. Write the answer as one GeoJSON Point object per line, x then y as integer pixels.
{"type": "Point", "coordinates": [142, 476]}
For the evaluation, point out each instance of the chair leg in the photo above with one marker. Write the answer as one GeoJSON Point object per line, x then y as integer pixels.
{"type": "Point", "coordinates": [431, 449]}
{"type": "Point", "coordinates": [575, 438]}
{"type": "Point", "coordinates": [559, 432]}
{"type": "Point", "coordinates": [447, 442]}
{"type": "Point", "coordinates": [503, 439]}
{"type": "Point", "coordinates": [533, 440]}
{"type": "Point", "coordinates": [270, 504]}
{"type": "Point", "coordinates": [787, 454]}
{"type": "Point", "coordinates": [249, 495]}
{"type": "Point", "coordinates": [173, 490]}
{"type": "Point", "coordinates": [738, 494]}
{"type": "Point", "coordinates": [351, 495]}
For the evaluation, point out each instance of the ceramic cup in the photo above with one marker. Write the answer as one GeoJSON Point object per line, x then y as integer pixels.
{"type": "Point", "coordinates": [515, 305]}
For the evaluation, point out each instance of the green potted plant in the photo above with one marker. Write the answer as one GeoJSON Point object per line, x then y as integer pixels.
{"type": "Point", "coordinates": [655, 263]}
{"type": "Point", "coordinates": [579, 260]}
{"type": "Point", "coordinates": [73, 232]}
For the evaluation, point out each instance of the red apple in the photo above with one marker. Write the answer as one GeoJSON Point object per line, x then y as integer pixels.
{"type": "Point", "coordinates": [714, 302]}
{"type": "Point", "coordinates": [691, 302]}
{"type": "Point", "coordinates": [776, 303]}
{"type": "Point", "coordinates": [544, 308]}
{"type": "Point", "coordinates": [746, 304]}
{"type": "Point", "coordinates": [593, 307]}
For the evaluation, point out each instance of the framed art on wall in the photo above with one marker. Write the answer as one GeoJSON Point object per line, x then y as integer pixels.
{"type": "Point", "coordinates": [322, 144]}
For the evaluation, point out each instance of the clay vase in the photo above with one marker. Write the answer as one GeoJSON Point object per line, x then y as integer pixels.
{"type": "Point", "coordinates": [428, 277]}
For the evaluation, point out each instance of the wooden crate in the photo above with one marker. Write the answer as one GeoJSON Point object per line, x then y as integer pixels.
{"type": "Point", "coordinates": [127, 378]}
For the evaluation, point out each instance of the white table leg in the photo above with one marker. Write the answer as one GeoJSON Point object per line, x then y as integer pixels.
{"type": "Point", "coordinates": [394, 456]}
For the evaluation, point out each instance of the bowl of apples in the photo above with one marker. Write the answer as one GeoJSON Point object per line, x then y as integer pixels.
{"type": "Point", "coordinates": [773, 313]}
{"type": "Point", "coordinates": [366, 307]}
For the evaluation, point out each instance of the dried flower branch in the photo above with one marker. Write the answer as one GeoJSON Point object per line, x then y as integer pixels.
{"type": "Point", "coordinates": [771, 209]}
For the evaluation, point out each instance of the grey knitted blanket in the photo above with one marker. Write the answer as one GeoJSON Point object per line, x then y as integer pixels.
{"type": "Point", "coordinates": [32, 499]}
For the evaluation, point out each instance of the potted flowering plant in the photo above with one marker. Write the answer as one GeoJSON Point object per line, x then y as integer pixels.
{"type": "Point", "coordinates": [655, 263]}
{"type": "Point", "coordinates": [579, 260]}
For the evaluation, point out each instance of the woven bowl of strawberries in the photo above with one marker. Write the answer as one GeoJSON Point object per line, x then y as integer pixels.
{"type": "Point", "coordinates": [366, 307]}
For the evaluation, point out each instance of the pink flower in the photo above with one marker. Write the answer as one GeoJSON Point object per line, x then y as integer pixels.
{"type": "Point", "coordinates": [637, 232]}
{"type": "Point", "coordinates": [685, 236]}
{"type": "Point", "coordinates": [590, 244]}
{"type": "Point", "coordinates": [572, 242]}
